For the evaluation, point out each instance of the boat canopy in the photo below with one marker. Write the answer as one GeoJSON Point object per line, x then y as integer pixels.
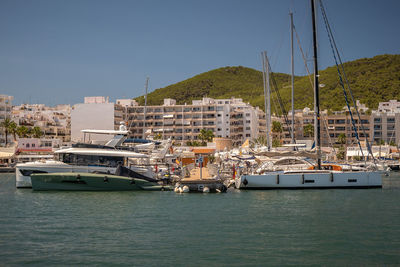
{"type": "Point", "coordinates": [101, 152]}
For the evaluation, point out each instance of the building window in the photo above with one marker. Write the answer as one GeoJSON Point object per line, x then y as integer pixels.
{"type": "Point", "coordinates": [377, 119]}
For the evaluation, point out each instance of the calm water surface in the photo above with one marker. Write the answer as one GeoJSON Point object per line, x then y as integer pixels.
{"type": "Point", "coordinates": [239, 228]}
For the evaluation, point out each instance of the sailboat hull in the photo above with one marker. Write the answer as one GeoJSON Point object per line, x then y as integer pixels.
{"type": "Point", "coordinates": [311, 180]}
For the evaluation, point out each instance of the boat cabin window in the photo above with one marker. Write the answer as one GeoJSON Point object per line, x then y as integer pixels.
{"type": "Point", "coordinates": [91, 160]}
{"type": "Point", "coordinates": [288, 162]}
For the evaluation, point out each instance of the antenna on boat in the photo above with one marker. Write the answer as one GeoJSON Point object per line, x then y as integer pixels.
{"type": "Point", "coordinates": [145, 107]}
{"type": "Point", "coordinates": [317, 124]}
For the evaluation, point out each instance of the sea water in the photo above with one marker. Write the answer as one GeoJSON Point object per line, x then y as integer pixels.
{"type": "Point", "coordinates": [237, 228]}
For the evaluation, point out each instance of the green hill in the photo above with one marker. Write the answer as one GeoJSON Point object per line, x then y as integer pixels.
{"type": "Point", "coordinates": [372, 80]}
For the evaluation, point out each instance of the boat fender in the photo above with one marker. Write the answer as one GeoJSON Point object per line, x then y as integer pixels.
{"type": "Point", "coordinates": [105, 179]}
{"type": "Point", "coordinates": [277, 179]}
{"type": "Point", "coordinates": [331, 177]}
{"type": "Point", "coordinates": [176, 189]}
{"type": "Point", "coordinates": [218, 191]}
{"type": "Point", "coordinates": [245, 182]}
{"type": "Point", "coordinates": [185, 189]}
{"type": "Point", "coordinates": [206, 190]}
{"type": "Point", "coordinates": [302, 178]}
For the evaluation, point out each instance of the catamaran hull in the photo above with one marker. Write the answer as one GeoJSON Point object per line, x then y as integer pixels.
{"type": "Point", "coordinates": [281, 180]}
{"type": "Point", "coordinates": [87, 182]}
{"type": "Point", "coordinates": [24, 170]}
{"type": "Point", "coordinates": [24, 181]}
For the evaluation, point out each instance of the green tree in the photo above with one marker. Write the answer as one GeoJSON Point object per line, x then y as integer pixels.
{"type": "Point", "coordinates": [206, 136]}
{"type": "Point", "coordinates": [276, 142]}
{"type": "Point", "coordinates": [277, 129]}
{"type": "Point", "coordinates": [341, 154]}
{"type": "Point", "coordinates": [380, 142]}
{"type": "Point", "coordinates": [37, 132]}
{"type": "Point", "coordinates": [6, 125]}
{"type": "Point", "coordinates": [308, 130]}
{"type": "Point", "coordinates": [22, 131]}
{"type": "Point", "coordinates": [341, 139]}
{"type": "Point", "coordinates": [13, 130]}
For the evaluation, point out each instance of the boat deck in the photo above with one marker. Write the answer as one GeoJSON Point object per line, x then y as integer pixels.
{"type": "Point", "coordinates": [195, 175]}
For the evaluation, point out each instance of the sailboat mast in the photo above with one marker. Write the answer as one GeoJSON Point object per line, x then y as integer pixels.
{"type": "Point", "coordinates": [292, 64]}
{"type": "Point", "coordinates": [317, 124]}
{"type": "Point", "coordinates": [267, 97]}
{"type": "Point", "coordinates": [268, 103]}
{"type": "Point", "coordinates": [145, 108]}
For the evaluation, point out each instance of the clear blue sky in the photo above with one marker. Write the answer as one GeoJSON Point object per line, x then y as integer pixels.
{"type": "Point", "coordinates": [57, 51]}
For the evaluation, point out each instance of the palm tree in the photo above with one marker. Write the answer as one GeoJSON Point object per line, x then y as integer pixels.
{"type": "Point", "coordinates": [36, 132]}
{"type": "Point", "coordinates": [13, 130]}
{"type": "Point", "coordinates": [206, 136]}
{"type": "Point", "coordinates": [5, 124]}
{"type": "Point", "coordinates": [22, 131]}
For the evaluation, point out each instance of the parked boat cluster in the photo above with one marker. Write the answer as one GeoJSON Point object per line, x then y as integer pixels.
{"type": "Point", "coordinates": [158, 166]}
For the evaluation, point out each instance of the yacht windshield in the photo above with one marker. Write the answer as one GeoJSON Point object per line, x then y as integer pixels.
{"type": "Point", "coordinates": [91, 160]}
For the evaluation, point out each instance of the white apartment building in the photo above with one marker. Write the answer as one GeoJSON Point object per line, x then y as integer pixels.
{"type": "Point", "coordinates": [53, 121]}
{"type": "Point", "coordinates": [95, 113]}
{"type": "Point", "coordinates": [392, 106]}
{"type": "Point", "coordinates": [5, 112]}
{"type": "Point", "coordinates": [224, 117]}
{"type": "Point", "coordinates": [386, 126]}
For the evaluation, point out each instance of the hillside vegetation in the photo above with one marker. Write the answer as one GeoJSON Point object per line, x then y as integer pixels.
{"type": "Point", "coordinates": [372, 80]}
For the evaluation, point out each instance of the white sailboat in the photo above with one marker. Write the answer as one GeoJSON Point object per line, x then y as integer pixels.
{"type": "Point", "coordinates": [317, 177]}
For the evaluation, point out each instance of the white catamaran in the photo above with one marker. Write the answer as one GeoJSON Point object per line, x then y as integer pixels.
{"type": "Point", "coordinates": [84, 158]}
